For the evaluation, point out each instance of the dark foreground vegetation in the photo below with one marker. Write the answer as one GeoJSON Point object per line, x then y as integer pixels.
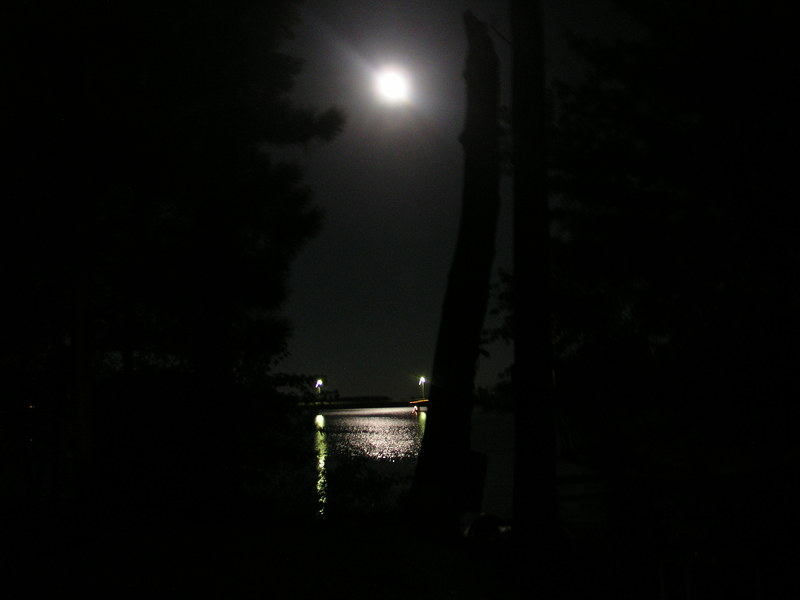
{"type": "Point", "coordinates": [252, 552]}
{"type": "Point", "coordinates": [239, 554]}
{"type": "Point", "coordinates": [147, 239]}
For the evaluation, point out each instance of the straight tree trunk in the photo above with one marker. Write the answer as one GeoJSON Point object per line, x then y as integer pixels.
{"type": "Point", "coordinates": [448, 479]}
{"type": "Point", "coordinates": [535, 496]}
{"type": "Point", "coordinates": [82, 469]}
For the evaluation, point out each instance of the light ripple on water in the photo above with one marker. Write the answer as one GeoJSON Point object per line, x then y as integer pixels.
{"type": "Point", "coordinates": [389, 440]}
{"type": "Point", "coordinates": [379, 434]}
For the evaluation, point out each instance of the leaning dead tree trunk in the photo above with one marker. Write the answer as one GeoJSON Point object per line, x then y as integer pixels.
{"type": "Point", "coordinates": [448, 479]}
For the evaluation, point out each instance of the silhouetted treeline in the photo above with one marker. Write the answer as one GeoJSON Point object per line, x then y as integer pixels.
{"type": "Point", "coordinates": [676, 262]}
{"type": "Point", "coordinates": [673, 214]}
{"type": "Point", "coordinates": [148, 232]}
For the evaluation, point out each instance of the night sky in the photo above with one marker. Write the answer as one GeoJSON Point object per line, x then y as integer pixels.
{"type": "Point", "coordinates": [366, 294]}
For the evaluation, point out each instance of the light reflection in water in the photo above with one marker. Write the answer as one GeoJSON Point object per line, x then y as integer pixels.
{"type": "Point", "coordinates": [321, 446]}
{"type": "Point", "coordinates": [388, 437]}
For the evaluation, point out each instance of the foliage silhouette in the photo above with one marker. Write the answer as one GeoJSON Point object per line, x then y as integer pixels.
{"type": "Point", "coordinates": [671, 251]}
{"type": "Point", "coordinates": [150, 234]}
{"type": "Point", "coordinates": [674, 270]}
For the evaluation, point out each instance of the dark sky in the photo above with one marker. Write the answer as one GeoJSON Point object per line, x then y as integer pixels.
{"type": "Point", "coordinates": [366, 294]}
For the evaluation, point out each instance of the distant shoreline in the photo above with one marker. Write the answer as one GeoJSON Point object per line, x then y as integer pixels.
{"type": "Point", "coordinates": [359, 402]}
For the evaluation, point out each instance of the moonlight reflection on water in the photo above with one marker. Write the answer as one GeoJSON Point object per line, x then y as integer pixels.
{"type": "Point", "coordinates": [388, 439]}
{"type": "Point", "coordinates": [380, 434]}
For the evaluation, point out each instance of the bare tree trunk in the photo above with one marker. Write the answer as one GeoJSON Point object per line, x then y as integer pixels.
{"type": "Point", "coordinates": [448, 479]}
{"type": "Point", "coordinates": [535, 495]}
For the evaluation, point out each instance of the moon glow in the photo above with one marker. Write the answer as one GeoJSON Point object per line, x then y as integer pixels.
{"type": "Point", "coordinates": [392, 85]}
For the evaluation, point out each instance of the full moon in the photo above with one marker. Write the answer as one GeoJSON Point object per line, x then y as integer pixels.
{"type": "Point", "coordinates": [392, 85]}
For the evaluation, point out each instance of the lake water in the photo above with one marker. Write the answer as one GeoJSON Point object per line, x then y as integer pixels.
{"type": "Point", "coordinates": [367, 456]}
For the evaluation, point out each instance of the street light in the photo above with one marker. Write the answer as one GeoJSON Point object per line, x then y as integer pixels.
{"type": "Point", "coordinates": [422, 381]}
{"type": "Point", "coordinates": [319, 387]}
